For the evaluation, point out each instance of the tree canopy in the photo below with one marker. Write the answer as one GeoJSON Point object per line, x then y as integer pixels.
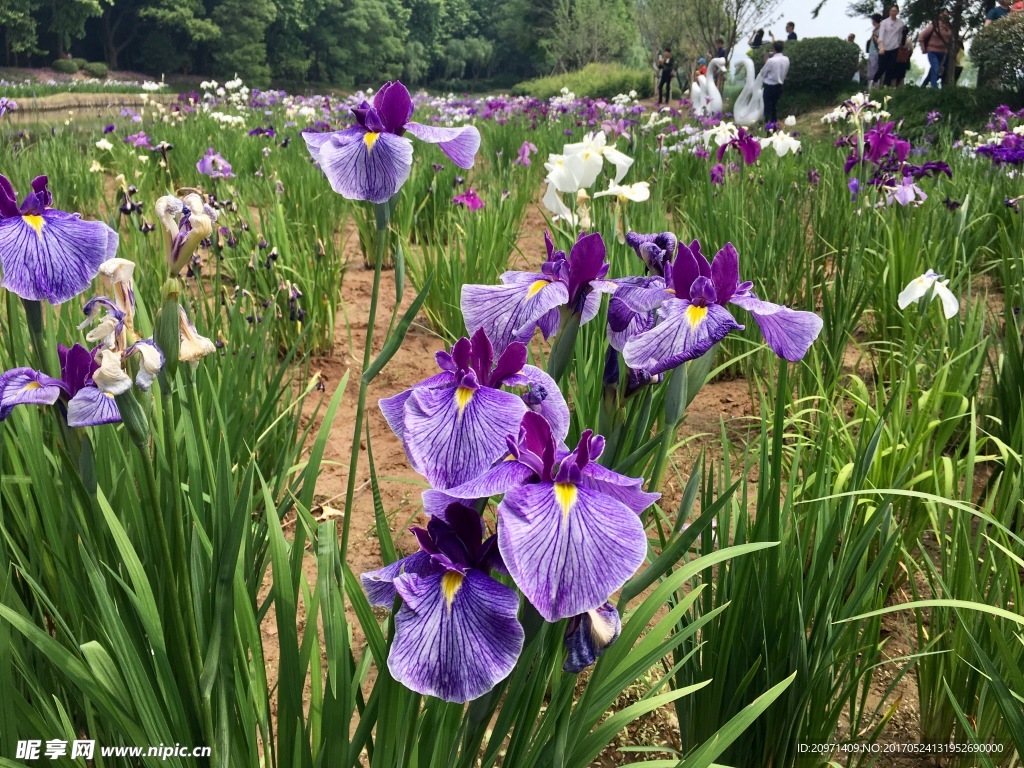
{"type": "Point", "coordinates": [360, 42]}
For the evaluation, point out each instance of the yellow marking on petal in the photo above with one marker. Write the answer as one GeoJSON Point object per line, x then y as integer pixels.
{"type": "Point", "coordinates": [565, 495]}
{"type": "Point", "coordinates": [36, 222]}
{"type": "Point", "coordinates": [31, 385]}
{"type": "Point", "coordinates": [109, 395]}
{"type": "Point", "coordinates": [370, 138]}
{"type": "Point", "coordinates": [462, 397]}
{"type": "Point", "coordinates": [535, 288]}
{"type": "Point", "coordinates": [695, 315]}
{"type": "Point", "coordinates": [451, 582]}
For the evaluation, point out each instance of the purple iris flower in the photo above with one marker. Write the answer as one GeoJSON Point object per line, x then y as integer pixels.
{"type": "Point", "coordinates": [883, 139]}
{"type": "Point", "coordinates": [213, 165]}
{"type": "Point", "coordinates": [47, 254]}
{"type": "Point", "coordinates": [655, 250]}
{"type": "Point", "coordinates": [528, 148]}
{"type": "Point", "coordinates": [854, 187]}
{"type": "Point", "coordinates": [372, 159]}
{"type": "Point", "coordinates": [108, 129]}
{"type": "Point", "coordinates": [453, 425]}
{"type": "Point", "coordinates": [569, 530]}
{"type": "Point", "coordinates": [587, 635]}
{"type": "Point", "coordinates": [933, 117]}
{"type": "Point", "coordinates": [82, 403]}
{"type": "Point", "coordinates": [718, 174]}
{"type": "Point", "coordinates": [745, 143]}
{"type": "Point", "coordinates": [691, 316]}
{"type": "Point", "coordinates": [470, 199]}
{"type": "Point", "coordinates": [138, 140]}
{"type": "Point", "coordinates": [529, 300]}
{"type": "Point", "coordinates": [632, 309]}
{"type": "Point", "coordinates": [456, 633]}
{"type": "Point", "coordinates": [813, 177]}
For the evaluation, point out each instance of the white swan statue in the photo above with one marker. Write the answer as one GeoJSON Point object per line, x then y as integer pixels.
{"type": "Point", "coordinates": [749, 105]}
{"type": "Point", "coordinates": [712, 97]}
{"type": "Point", "coordinates": [697, 95]}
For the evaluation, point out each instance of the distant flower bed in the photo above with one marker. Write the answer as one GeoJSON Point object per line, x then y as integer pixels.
{"type": "Point", "coordinates": [33, 88]}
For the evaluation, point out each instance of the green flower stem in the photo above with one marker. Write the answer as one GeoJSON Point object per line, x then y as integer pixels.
{"type": "Point", "coordinates": [46, 354]}
{"type": "Point", "coordinates": [176, 579]}
{"type": "Point", "coordinates": [675, 401]}
{"type": "Point", "coordinates": [383, 220]}
{"type": "Point", "coordinates": [563, 346]}
{"type": "Point", "coordinates": [171, 415]}
{"type": "Point", "coordinates": [172, 616]}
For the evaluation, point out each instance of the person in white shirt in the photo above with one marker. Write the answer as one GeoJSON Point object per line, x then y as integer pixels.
{"type": "Point", "coordinates": [773, 74]}
{"type": "Point", "coordinates": [890, 35]}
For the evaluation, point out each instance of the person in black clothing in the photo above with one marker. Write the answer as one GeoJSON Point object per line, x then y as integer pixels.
{"type": "Point", "coordinates": [791, 31]}
{"type": "Point", "coordinates": [757, 39]}
{"type": "Point", "coordinates": [666, 67]}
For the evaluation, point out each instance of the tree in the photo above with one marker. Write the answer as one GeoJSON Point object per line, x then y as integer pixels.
{"type": "Point", "coordinates": [359, 42]}
{"type": "Point", "coordinates": [589, 31]}
{"type": "Point", "coordinates": [67, 21]}
{"type": "Point", "coordinates": [242, 48]}
{"type": "Point", "coordinates": [729, 20]}
{"type": "Point", "coordinates": [18, 22]}
{"type": "Point", "coordinates": [177, 28]}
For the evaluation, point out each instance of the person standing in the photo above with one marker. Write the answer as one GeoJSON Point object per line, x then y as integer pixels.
{"type": "Point", "coordinates": [773, 75]}
{"type": "Point", "coordinates": [721, 53]}
{"type": "Point", "coordinates": [890, 35]}
{"type": "Point", "coordinates": [666, 68]}
{"type": "Point", "coordinates": [935, 44]}
{"type": "Point", "coordinates": [1002, 9]}
{"type": "Point", "coordinates": [790, 31]}
{"type": "Point", "coordinates": [872, 50]}
{"type": "Point", "coordinates": [756, 39]}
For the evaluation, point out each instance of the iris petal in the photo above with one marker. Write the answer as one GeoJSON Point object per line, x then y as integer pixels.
{"type": "Point", "coordinates": [510, 313]}
{"type": "Point", "coordinates": [789, 332]}
{"type": "Point", "coordinates": [379, 585]}
{"type": "Point", "coordinates": [628, 490]}
{"type": "Point", "coordinates": [53, 256]}
{"type": "Point", "coordinates": [684, 333]}
{"type": "Point", "coordinates": [496, 480]}
{"type": "Point", "coordinates": [90, 408]}
{"type": "Point", "coordinates": [460, 144]}
{"type": "Point", "coordinates": [456, 636]}
{"type": "Point", "coordinates": [393, 407]}
{"type": "Point", "coordinates": [587, 635]}
{"type": "Point", "coordinates": [359, 169]}
{"type": "Point", "coordinates": [25, 386]}
{"type": "Point", "coordinates": [453, 439]}
{"type": "Point", "coordinates": [394, 106]}
{"type": "Point", "coordinates": [552, 407]}
{"type": "Point", "coordinates": [568, 550]}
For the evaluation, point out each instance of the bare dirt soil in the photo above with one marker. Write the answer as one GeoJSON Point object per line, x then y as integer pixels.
{"type": "Point", "coordinates": [719, 405]}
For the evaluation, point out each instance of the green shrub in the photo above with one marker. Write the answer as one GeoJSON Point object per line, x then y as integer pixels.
{"type": "Point", "coordinates": [65, 66]}
{"type": "Point", "coordinates": [594, 81]}
{"type": "Point", "coordinates": [96, 69]}
{"type": "Point", "coordinates": [820, 69]}
{"type": "Point", "coordinates": [998, 51]}
{"type": "Point", "coordinates": [80, 63]}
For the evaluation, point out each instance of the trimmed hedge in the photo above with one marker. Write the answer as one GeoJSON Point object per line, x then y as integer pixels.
{"type": "Point", "coordinates": [65, 66]}
{"type": "Point", "coordinates": [596, 81]}
{"type": "Point", "coordinates": [820, 69]}
{"type": "Point", "coordinates": [998, 51]}
{"type": "Point", "coordinates": [80, 63]}
{"type": "Point", "coordinates": [96, 69]}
